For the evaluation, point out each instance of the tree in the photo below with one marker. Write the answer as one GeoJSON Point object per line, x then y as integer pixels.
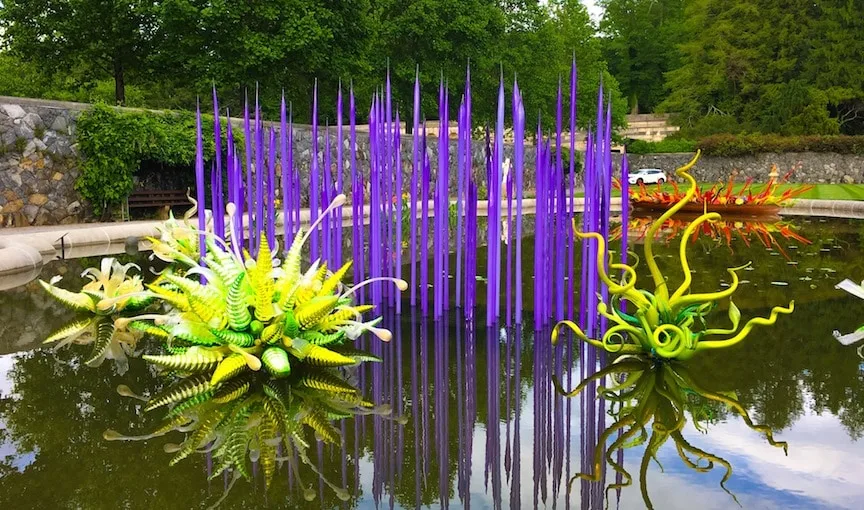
{"type": "Point", "coordinates": [780, 66]}
{"type": "Point", "coordinates": [439, 37]}
{"type": "Point", "coordinates": [540, 45]}
{"type": "Point", "coordinates": [287, 43]}
{"type": "Point", "coordinates": [640, 39]}
{"type": "Point", "coordinates": [103, 38]}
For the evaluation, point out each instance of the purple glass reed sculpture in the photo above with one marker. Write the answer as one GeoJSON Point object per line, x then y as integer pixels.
{"type": "Point", "coordinates": [416, 171]}
{"type": "Point", "coordinates": [570, 235]}
{"type": "Point", "coordinates": [314, 242]}
{"type": "Point", "coordinates": [357, 199]}
{"type": "Point", "coordinates": [285, 173]}
{"type": "Point", "coordinates": [199, 182]}
{"type": "Point", "coordinates": [424, 230]}
{"type": "Point", "coordinates": [259, 175]}
{"type": "Point", "coordinates": [340, 172]}
{"type": "Point", "coordinates": [442, 201]}
{"type": "Point", "coordinates": [216, 179]}
{"type": "Point", "coordinates": [397, 222]}
{"type": "Point", "coordinates": [248, 189]}
{"type": "Point", "coordinates": [538, 229]}
{"type": "Point", "coordinates": [558, 215]}
{"type": "Point", "coordinates": [518, 168]}
{"type": "Point", "coordinates": [271, 190]}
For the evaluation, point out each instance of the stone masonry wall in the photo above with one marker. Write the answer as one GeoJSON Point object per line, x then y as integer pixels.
{"type": "Point", "coordinates": [38, 165]}
{"type": "Point", "coordinates": [810, 167]}
{"type": "Point", "coordinates": [39, 162]}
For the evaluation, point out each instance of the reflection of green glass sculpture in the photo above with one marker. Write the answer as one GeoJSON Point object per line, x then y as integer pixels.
{"type": "Point", "coordinates": [649, 403]}
{"type": "Point", "coordinates": [663, 325]}
{"type": "Point", "coordinates": [258, 419]}
{"type": "Point", "coordinates": [111, 294]}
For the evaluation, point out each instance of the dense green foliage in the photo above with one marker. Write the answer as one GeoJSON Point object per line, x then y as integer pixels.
{"type": "Point", "coordinates": [741, 145]}
{"type": "Point", "coordinates": [88, 37]}
{"type": "Point", "coordinates": [667, 145]}
{"type": "Point", "coordinates": [731, 145]}
{"type": "Point", "coordinates": [181, 48]}
{"type": "Point", "coordinates": [113, 144]}
{"type": "Point", "coordinates": [640, 43]}
{"type": "Point", "coordinates": [791, 67]}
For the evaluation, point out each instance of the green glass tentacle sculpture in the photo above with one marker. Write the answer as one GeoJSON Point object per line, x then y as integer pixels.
{"type": "Point", "coordinates": [664, 325]}
{"type": "Point", "coordinates": [650, 402]}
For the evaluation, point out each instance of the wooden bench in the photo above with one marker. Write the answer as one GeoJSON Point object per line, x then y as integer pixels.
{"type": "Point", "coordinates": [144, 198]}
{"type": "Point", "coordinates": [157, 198]}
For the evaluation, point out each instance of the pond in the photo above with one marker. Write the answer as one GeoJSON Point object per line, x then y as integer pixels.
{"type": "Point", "coordinates": [475, 419]}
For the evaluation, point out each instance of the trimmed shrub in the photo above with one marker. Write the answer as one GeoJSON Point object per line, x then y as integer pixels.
{"type": "Point", "coordinates": [744, 145]}
{"type": "Point", "coordinates": [667, 145]}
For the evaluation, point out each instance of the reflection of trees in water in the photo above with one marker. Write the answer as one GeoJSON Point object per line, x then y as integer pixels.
{"type": "Point", "coordinates": [797, 358]}
{"type": "Point", "coordinates": [651, 402]}
{"type": "Point", "coordinates": [60, 408]}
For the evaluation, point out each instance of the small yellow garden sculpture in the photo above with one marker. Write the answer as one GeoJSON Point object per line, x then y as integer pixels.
{"type": "Point", "coordinates": [664, 325]}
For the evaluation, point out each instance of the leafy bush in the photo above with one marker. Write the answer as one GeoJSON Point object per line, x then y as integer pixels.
{"type": "Point", "coordinates": [667, 145]}
{"type": "Point", "coordinates": [114, 142]}
{"type": "Point", "coordinates": [742, 145]}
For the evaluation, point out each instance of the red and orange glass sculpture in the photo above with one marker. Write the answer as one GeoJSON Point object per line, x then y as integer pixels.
{"type": "Point", "coordinates": [720, 197]}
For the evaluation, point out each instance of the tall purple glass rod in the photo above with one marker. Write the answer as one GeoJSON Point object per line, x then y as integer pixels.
{"type": "Point", "coordinates": [518, 167]}
{"type": "Point", "coordinates": [416, 171]}
{"type": "Point", "coordinates": [199, 181]}
{"type": "Point", "coordinates": [314, 252]}
{"type": "Point", "coordinates": [284, 172]}
{"type": "Point", "coordinates": [339, 178]}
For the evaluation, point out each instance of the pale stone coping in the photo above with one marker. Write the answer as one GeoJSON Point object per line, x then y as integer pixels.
{"type": "Point", "coordinates": [19, 263]}
{"type": "Point", "coordinates": [24, 250]}
{"type": "Point", "coordinates": [852, 209]}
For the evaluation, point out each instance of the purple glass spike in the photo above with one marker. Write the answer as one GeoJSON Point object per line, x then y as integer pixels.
{"type": "Point", "coordinates": [314, 242]}
{"type": "Point", "coordinates": [398, 218]}
{"type": "Point", "coordinates": [218, 204]}
{"type": "Point", "coordinates": [199, 182]}
{"type": "Point", "coordinates": [259, 175]}
{"type": "Point", "coordinates": [424, 231]}
{"type": "Point", "coordinates": [284, 172]}
{"type": "Point", "coordinates": [416, 170]}
{"type": "Point", "coordinates": [559, 215]}
{"type": "Point", "coordinates": [570, 236]}
{"type": "Point", "coordinates": [271, 191]}
{"type": "Point", "coordinates": [326, 187]}
{"type": "Point", "coordinates": [518, 166]}
{"type": "Point", "coordinates": [357, 200]}
{"type": "Point", "coordinates": [340, 172]}
{"type": "Point", "coordinates": [248, 190]}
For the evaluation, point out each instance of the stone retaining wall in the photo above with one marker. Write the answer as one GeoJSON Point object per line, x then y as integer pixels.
{"type": "Point", "coordinates": [810, 167]}
{"type": "Point", "coordinates": [38, 165]}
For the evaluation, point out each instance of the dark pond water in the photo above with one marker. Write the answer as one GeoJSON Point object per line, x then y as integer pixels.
{"type": "Point", "coordinates": [476, 422]}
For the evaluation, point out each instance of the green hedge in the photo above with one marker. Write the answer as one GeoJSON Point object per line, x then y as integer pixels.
{"type": "Point", "coordinates": [730, 145]}
{"type": "Point", "coordinates": [668, 145]}
{"type": "Point", "coordinates": [743, 145]}
{"type": "Point", "coordinates": [114, 142]}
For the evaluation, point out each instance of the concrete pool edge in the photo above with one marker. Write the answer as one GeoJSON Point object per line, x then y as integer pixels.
{"type": "Point", "coordinates": [24, 250]}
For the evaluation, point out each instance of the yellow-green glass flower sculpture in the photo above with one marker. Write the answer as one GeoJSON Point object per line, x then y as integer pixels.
{"type": "Point", "coordinates": [664, 325]}
{"type": "Point", "coordinates": [257, 347]}
{"type": "Point", "coordinates": [112, 293]}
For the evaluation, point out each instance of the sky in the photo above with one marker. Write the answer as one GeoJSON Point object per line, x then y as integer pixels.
{"type": "Point", "coordinates": [593, 9]}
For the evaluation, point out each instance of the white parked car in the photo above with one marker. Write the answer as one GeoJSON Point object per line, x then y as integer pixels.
{"type": "Point", "coordinates": [647, 176]}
